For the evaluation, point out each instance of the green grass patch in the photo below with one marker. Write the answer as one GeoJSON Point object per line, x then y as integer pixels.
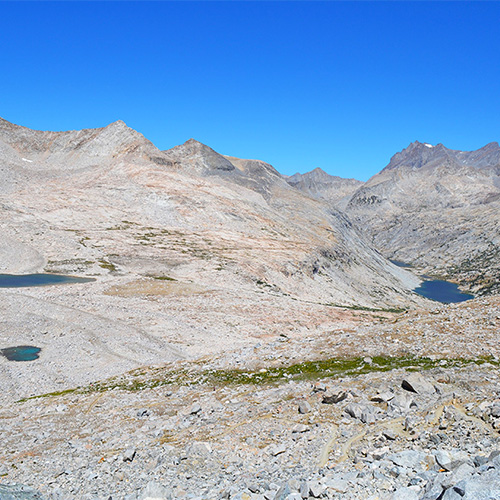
{"type": "Point", "coordinates": [106, 264]}
{"type": "Point", "coordinates": [309, 370]}
{"type": "Point", "coordinates": [370, 309]}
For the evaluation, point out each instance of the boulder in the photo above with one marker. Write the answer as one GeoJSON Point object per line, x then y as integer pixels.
{"type": "Point", "coordinates": [415, 382]}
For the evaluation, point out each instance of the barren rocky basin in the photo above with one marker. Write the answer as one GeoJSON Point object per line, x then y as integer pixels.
{"type": "Point", "coordinates": [240, 338]}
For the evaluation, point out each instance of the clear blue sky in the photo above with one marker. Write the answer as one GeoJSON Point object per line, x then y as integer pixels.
{"type": "Point", "coordinates": [336, 85]}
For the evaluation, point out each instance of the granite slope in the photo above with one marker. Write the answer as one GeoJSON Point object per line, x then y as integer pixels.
{"type": "Point", "coordinates": [432, 207]}
{"type": "Point", "coordinates": [193, 252]}
{"type": "Point", "coordinates": [437, 209]}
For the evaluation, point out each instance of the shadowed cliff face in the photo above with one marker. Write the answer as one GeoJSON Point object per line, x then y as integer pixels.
{"type": "Point", "coordinates": [438, 209]}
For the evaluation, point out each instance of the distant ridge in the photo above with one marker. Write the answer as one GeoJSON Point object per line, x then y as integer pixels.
{"type": "Point", "coordinates": [319, 184]}
{"type": "Point", "coordinates": [419, 155]}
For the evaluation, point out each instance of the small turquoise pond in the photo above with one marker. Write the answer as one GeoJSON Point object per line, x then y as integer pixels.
{"type": "Point", "coordinates": [21, 353]}
{"type": "Point", "coordinates": [24, 280]}
{"type": "Point", "coordinates": [442, 291]}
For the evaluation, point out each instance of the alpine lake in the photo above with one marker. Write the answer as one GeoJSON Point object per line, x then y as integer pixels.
{"type": "Point", "coordinates": [438, 290]}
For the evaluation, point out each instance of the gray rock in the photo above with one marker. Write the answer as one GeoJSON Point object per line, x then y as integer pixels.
{"type": "Point", "coordinates": [304, 489]}
{"type": "Point", "coordinates": [405, 494]}
{"type": "Point", "coordinates": [129, 454]}
{"type": "Point", "coordinates": [299, 428]}
{"type": "Point", "coordinates": [304, 407]}
{"type": "Point", "coordinates": [329, 399]}
{"type": "Point", "coordinates": [408, 458]}
{"type": "Point", "coordinates": [480, 460]}
{"type": "Point", "coordinates": [389, 434]}
{"type": "Point", "coordinates": [463, 472]}
{"type": "Point", "coordinates": [401, 402]}
{"type": "Point", "coordinates": [155, 491]}
{"type": "Point", "coordinates": [368, 416]}
{"type": "Point", "coordinates": [415, 382]}
{"type": "Point", "coordinates": [433, 490]}
{"type": "Point", "coordinates": [453, 494]}
{"type": "Point", "coordinates": [354, 410]}
{"type": "Point", "coordinates": [479, 488]}
{"type": "Point", "coordinates": [319, 387]}
{"type": "Point", "coordinates": [283, 492]}
{"type": "Point", "coordinates": [452, 466]}
{"type": "Point", "coordinates": [19, 492]}
{"type": "Point", "coordinates": [195, 409]}
{"type": "Point", "coordinates": [316, 489]}
{"type": "Point", "coordinates": [340, 485]}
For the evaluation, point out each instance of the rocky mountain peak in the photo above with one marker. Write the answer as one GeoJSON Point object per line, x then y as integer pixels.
{"type": "Point", "coordinates": [421, 154]}
{"type": "Point", "coordinates": [111, 141]}
{"type": "Point", "coordinates": [319, 175]}
{"type": "Point", "coordinates": [117, 124]}
{"type": "Point", "coordinates": [199, 156]}
{"type": "Point", "coordinates": [320, 184]}
{"type": "Point", "coordinates": [418, 154]}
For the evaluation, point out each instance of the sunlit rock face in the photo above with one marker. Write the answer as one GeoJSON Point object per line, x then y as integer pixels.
{"type": "Point", "coordinates": [435, 208]}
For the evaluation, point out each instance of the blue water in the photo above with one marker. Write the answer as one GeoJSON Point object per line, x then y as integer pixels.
{"type": "Point", "coordinates": [21, 353]}
{"type": "Point", "coordinates": [442, 291]}
{"type": "Point", "coordinates": [24, 280]}
{"type": "Point", "coordinates": [439, 290]}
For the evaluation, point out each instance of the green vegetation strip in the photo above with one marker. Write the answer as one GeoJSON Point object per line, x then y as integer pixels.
{"type": "Point", "coordinates": [310, 370]}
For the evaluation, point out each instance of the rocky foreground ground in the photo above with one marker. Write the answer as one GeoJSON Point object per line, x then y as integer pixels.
{"type": "Point", "coordinates": [400, 406]}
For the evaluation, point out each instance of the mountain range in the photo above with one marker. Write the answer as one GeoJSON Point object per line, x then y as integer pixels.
{"type": "Point", "coordinates": [192, 252]}
{"type": "Point", "coordinates": [240, 333]}
{"type": "Point", "coordinates": [432, 207]}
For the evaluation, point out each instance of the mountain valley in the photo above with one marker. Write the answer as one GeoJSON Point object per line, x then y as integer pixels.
{"type": "Point", "coordinates": [434, 208]}
{"type": "Point", "coordinates": [244, 335]}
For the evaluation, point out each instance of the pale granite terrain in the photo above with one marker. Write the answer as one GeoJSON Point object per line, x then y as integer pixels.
{"type": "Point", "coordinates": [241, 340]}
{"type": "Point", "coordinates": [192, 254]}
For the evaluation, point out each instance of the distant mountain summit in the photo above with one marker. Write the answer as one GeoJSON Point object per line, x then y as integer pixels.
{"type": "Point", "coordinates": [419, 155]}
{"type": "Point", "coordinates": [64, 149]}
{"type": "Point", "coordinates": [201, 157]}
{"type": "Point", "coordinates": [319, 184]}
